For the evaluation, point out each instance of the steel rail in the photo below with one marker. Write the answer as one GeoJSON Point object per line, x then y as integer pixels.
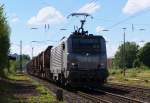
{"type": "Point", "coordinates": [122, 97]}
{"type": "Point", "coordinates": [93, 98]}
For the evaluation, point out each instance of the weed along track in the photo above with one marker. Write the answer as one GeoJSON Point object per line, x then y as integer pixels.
{"type": "Point", "coordinates": [106, 94]}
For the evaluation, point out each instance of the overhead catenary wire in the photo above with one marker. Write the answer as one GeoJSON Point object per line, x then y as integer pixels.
{"type": "Point", "coordinates": [93, 1]}
{"type": "Point", "coordinates": [122, 21]}
{"type": "Point", "coordinates": [127, 19]}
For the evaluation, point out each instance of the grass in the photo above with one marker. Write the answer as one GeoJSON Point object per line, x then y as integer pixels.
{"type": "Point", "coordinates": [134, 76]}
{"type": "Point", "coordinates": [18, 77]}
{"type": "Point", "coordinates": [7, 93]}
{"type": "Point", "coordinates": [45, 95]}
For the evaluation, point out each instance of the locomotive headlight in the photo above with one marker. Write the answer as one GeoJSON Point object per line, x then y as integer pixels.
{"type": "Point", "coordinates": [74, 65]}
{"type": "Point", "coordinates": [101, 66]}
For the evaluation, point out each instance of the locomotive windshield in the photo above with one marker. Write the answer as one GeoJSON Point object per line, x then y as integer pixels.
{"type": "Point", "coordinates": [86, 45]}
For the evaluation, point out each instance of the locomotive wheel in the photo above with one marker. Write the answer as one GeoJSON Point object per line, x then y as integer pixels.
{"type": "Point", "coordinates": [61, 80]}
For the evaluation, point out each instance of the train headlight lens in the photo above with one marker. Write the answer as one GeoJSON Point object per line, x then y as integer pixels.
{"type": "Point", "coordinates": [74, 65]}
{"type": "Point", "coordinates": [101, 66]}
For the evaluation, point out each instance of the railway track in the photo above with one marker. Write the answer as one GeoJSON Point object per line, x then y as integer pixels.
{"type": "Point", "coordinates": [120, 98]}
{"type": "Point", "coordinates": [93, 98]}
{"type": "Point", "coordinates": [141, 93]}
{"type": "Point", "coordinates": [102, 96]}
{"type": "Point", "coordinates": [109, 98]}
{"type": "Point", "coordinates": [123, 86]}
{"type": "Point", "coordinates": [96, 96]}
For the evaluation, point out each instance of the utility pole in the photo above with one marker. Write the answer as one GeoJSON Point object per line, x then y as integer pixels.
{"type": "Point", "coordinates": [124, 53]}
{"type": "Point", "coordinates": [32, 51]}
{"type": "Point", "coordinates": [20, 55]}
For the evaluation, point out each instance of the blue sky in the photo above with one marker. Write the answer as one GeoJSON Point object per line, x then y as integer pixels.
{"type": "Point", "coordinates": [108, 14]}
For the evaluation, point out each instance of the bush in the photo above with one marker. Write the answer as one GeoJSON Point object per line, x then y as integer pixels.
{"type": "Point", "coordinates": [131, 50]}
{"type": "Point", "coordinates": [136, 63]}
{"type": "Point", "coordinates": [144, 54]}
{"type": "Point", "coordinates": [4, 41]}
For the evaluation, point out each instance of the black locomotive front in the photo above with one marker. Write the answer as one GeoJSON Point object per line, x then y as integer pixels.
{"type": "Point", "coordinates": [87, 60]}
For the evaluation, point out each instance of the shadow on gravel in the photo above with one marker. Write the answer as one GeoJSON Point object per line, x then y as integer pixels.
{"type": "Point", "coordinates": [24, 88]}
{"type": "Point", "coordinates": [15, 91]}
{"type": "Point", "coordinates": [115, 90]}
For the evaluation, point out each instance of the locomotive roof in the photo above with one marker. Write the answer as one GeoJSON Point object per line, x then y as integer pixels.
{"type": "Point", "coordinates": [87, 36]}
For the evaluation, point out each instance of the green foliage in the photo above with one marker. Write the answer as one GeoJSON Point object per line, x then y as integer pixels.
{"type": "Point", "coordinates": [4, 40]}
{"type": "Point", "coordinates": [114, 71]}
{"type": "Point", "coordinates": [45, 95]}
{"type": "Point", "coordinates": [17, 77]}
{"type": "Point", "coordinates": [25, 57]}
{"type": "Point", "coordinates": [134, 76]}
{"type": "Point", "coordinates": [136, 63]}
{"type": "Point", "coordinates": [12, 67]}
{"type": "Point", "coordinates": [131, 50]}
{"type": "Point", "coordinates": [144, 54]}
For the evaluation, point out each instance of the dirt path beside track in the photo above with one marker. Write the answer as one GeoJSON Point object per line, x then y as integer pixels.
{"type": "Point", "coordinates": [13, 91]}
{"type": "Point", "coordinates": [20, 88]}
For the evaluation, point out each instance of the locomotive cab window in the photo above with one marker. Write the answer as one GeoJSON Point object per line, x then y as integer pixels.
{"type": "Point", "coordinates": [63, 46]}
{"type": "Point", "coordinates": [85, 45]}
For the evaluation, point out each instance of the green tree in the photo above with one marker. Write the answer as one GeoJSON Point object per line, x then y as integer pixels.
{"type": "Point", "coordinates": [131, 50]}
{"type": "Point", "coordinates": [4, 40]}
{"type": "Point", "coordinates": [144, 54]}
{"type": "Point", "coordinates": [25, 57]}
{"type": "Point", "coordinates": [137, 63]}
{"type": "Point", "coordinates": [25, 60]}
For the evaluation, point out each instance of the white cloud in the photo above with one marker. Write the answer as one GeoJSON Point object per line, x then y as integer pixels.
{"type": "Point", "coordinates": [89, 8]}
{"type": "Point", "coordinates": [46, 15]}
{"type": "Point", "coordinates": [134, 6]}
{"type": "Point", "coordinates": [99, 29]}
{"type": "Point", "coordinates": [14, 18]}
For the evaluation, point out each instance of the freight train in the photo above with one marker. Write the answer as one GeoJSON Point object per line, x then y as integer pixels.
{"type": "Point", "coordinates": [79, 60]}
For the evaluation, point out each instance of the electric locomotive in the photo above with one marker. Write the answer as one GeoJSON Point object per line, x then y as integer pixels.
{"type": "Point", "coordinates": [80, 60]}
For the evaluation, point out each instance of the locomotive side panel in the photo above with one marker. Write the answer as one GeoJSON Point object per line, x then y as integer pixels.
{"type": "Point", "coordinates": [103, 55]}
{"type": "Point", "coordinates": [65, 46]}
{"type": "Point", "coordinates": [56, 61]}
